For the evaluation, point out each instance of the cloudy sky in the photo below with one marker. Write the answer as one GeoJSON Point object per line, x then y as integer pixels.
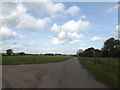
{"type": "Point", "coordinates": [52, 27]}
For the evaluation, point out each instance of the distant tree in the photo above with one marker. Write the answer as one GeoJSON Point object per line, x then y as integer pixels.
{"type": "Point", "coordinates": [57, 54]}
{"type": "Point", "coordinates": [80, 52]}
{"type": "Point", "coordinates": [97, 53]}
{"type": "Point", "coordinates": [3, 54]}
{"type": "Point", "coordinates": [22, 53]}
{"type": "Point", "coordinates": [49, 54]}
{"type": "Point", "coordinates": [9, 51]}
{"type": "Point", "coordinates": [89, 52]}
{"type": "Point", "coordinates": [111, 48]}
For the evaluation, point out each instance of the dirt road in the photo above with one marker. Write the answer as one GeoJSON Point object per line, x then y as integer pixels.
{"type": "Point", "coordinates": [67, 74]}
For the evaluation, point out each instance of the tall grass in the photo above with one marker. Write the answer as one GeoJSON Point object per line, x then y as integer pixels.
{"type": "Point", "coordinates": [108, 63]}
{"type": "Point", "coordinates": [104, 68]}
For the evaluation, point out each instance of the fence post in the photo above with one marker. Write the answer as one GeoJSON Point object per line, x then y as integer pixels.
{"type": "Point", "coordinates": [108, 62]}
{"type": "Point", "coordinates": [94, 60]}
{"type": "Point", "coordinates": [98, 61]}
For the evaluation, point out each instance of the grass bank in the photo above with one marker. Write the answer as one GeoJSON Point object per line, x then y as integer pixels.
{"type": "Point", "coordinates": [102, 70]}
{"type": "Point", "coordinates": [15, 60]}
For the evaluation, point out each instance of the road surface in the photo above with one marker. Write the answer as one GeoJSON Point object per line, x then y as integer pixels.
{"type": "Point", "coordinates": [66, 74]}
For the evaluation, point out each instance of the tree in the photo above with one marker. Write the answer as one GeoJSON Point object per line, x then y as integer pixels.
{"type": "Point", "coordinates": [49, 54]}
{"type": "Point", "coordinates": [89, 52]}
{"type": "Point", "coordinates": [22, 53]}
{"type": "Point", "coordinates": [80, 52]}
{"type": "Point", "coordinates": [111, 48]}
{"type": "Point", "coordinates": [97, 53]}
{"type": "Point", "coordinates": [9, 51]}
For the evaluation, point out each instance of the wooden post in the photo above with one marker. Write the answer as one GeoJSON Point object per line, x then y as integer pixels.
{"type": "Point", "coordinates": [109, 63]}
{"type": "Point", "coordinates": [94, 60]}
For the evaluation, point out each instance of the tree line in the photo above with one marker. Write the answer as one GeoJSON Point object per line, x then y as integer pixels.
{"type": "Point", "coordinates": [111, 48]}
{"type": "Point", "coordinates": [9, 52]}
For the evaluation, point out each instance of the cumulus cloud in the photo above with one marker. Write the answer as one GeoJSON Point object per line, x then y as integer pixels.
{"type": "Point", "coordinates": [66, 37]}
{"type": "Point", "coordinates": [68, 32]}
{"type": "Point", "coordinates": [55, 28]}
{"type": "Point", "coordinates": [113, 9]}
{"type": "Point", "coordinates": [31, 23]}
{"type": "Point", "coordinates": [72, 10]}
{"type": "Point", "coordinates": [43, 8]}
{"type": "Point", "coordinates": [6, 34]}
{"type": "Point", "coordinates": [11, 13]}
{"type": "Point", "coordinates": [72, 26]}
{"type": "Point", "coordinates": [97, 39]}
{"type": "Point", "coordinates": [51, 8]}
{"type": "Point", "coordinates": [15, 14]}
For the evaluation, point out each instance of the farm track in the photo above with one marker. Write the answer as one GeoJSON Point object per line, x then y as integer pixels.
{"type": "Point", "coordinates": [66, 74]}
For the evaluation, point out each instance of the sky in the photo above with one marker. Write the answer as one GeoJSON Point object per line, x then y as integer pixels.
{"type": "Point", "coordinates": [56, 27]}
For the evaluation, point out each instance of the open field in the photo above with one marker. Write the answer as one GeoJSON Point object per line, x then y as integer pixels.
{"type": "Point", "coordinates": [104, 68]}
{"type": "Point", "coordinates": [15, 60]}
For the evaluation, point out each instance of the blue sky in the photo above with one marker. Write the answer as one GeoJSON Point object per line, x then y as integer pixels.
{"type": "Point", "coordinates": [62, 27]}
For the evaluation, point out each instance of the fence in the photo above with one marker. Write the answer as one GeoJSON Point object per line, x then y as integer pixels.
{"type": "Point", "coordinates": [108, 63]}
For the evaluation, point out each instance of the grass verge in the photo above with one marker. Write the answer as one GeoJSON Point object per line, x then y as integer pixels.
{"type": "Point", "coordinates": [111, 78]}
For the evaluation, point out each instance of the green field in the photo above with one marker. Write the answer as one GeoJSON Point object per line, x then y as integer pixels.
{"type": "Point", "coordinates": [106, 69]}
{"type": "Point", "coordinates": [15, 60]}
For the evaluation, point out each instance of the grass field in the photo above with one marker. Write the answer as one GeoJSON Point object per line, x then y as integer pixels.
{"type": "Point", "coordinates": [105, 69]}
{"type": "Point", "coordinates": [15, 60]}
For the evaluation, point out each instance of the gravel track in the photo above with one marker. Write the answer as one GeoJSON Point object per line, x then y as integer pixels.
{"type": "Point", "coordinates": [66, 74]}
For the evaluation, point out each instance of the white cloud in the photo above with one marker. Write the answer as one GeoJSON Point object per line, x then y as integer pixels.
{"type": "Point", "coordinates": [43, 8]}
{"type": "Point", "coordinates": [73, 26]}
{"type": "Point", "coordinates": [75, 41]}
{"type": "Point", "coordinates": [55, 28]}
{"type": "Point", "coordinates": [31, 23]}
{"type": "Point", "coordinates": [51, 8]}
{"type": "Point", "coordinates": [62, 34]}
{"type": "Point", "coordinates": [18, 47]}
{"type": "Point", "coordinates": [72, 10]}
{"type": "Point", "coordinates": [6, 34]}
{"type": "Point", "coordinates": [113, 9]}
{"type": "Point", "coordinates": [11, 13]}
{"type": "Point", "coordinates": [79, 48]}
{"type": "Point", "coordinates": [66, 37]}
{"type": "Point", "coordinates": [82, 17]}
{"type": "Point", "coordinates": [75, 35]}
{"type": "Point", "coordinates": [96, 39]}
{"type": "Point", "coordinates": [56, 41]}
{"type": "Point", "coordinates": [15, 14]}
{"type": "Point", "coordinates": [68, 32]}
{"type": "Point", "coordinates": [58, 15]}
